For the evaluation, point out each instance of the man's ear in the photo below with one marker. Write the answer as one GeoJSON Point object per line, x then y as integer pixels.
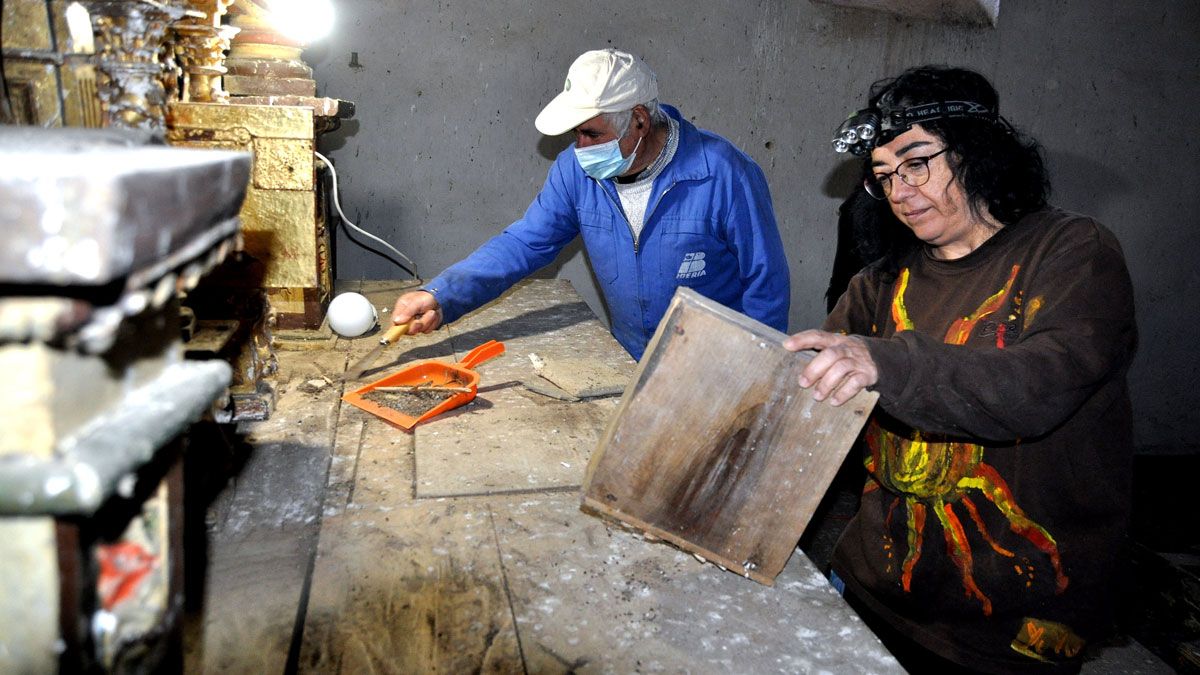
{"type": "Point", "coordinates": [641, 115]}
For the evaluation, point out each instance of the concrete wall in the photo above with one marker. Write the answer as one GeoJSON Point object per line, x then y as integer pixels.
{"type": "Point", "coordinates": [443, 153]}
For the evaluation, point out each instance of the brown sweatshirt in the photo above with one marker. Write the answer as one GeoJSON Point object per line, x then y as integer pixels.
{"type": "Point", "coordinates": [996, 507]}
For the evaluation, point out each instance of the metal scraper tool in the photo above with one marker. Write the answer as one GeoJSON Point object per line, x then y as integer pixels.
{"type": "Point", "coordinates": [393, 334]}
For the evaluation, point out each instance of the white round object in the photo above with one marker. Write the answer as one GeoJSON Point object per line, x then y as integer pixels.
{"type": "Point", "coordinates": [351, 314]}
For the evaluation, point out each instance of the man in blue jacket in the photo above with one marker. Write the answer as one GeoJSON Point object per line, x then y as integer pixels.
{"type": "Point", "coordinates": [659, 203]}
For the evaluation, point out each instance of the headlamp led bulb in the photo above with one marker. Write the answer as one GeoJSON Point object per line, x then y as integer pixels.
{"type": "Point", "coordinates": [857, 133]}
{"type": "Point", "coordinates": [863, 130]}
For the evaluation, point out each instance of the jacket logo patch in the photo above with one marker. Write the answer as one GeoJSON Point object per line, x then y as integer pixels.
{"type": "Point", "coordinates": [692, 266]}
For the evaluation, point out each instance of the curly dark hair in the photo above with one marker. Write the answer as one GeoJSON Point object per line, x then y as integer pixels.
{"type": "Point", "coordinates": [999, 168]}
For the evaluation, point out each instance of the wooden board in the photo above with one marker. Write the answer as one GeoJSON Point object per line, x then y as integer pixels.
{"type": "Point", "coordinates": [583, 377]}
{"type": "Point", "coordinates": [715, 447]}
{"type": "Point", "coordinates": [381, 475]}
{"type": "Point", "coordinates": [254, 584]}
{"type": "Point", "coordinates": [263, 528]}
{"type": "Point", "coordinates": [508, 440]}
{"type": "Point", "coordinates": [590, 598]}
{"type": "Point", "coordinates": [415, 589]}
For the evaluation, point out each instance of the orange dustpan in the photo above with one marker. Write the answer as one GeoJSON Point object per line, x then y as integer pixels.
{"type": "Point", "coordinates": [419, 392]}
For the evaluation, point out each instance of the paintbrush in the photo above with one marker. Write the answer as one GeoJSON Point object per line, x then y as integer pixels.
{"type": "Point", "coordinates": [393, 334]}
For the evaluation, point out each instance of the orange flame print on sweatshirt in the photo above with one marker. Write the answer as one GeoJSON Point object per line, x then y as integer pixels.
{"type": "Point", "coordinates": [944, 477]}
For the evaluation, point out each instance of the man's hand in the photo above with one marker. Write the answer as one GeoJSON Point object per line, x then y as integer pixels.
{"type": "Point", "coordinates": [843, 367]}
{"type": "Point", "coordinates": [419, 307]}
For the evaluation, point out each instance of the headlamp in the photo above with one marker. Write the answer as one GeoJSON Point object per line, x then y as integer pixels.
{"type": "Point", "coordinates": [868, 127]}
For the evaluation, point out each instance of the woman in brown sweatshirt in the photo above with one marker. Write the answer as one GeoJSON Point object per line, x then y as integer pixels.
{"type": "Point", "coordinates": [998, 332]}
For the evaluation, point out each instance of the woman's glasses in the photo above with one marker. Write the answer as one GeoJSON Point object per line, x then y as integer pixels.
{"type": "Point", "coordinates": [914, 172]}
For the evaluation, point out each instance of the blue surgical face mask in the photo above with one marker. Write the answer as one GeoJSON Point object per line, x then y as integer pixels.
{"type": "Point", "coordinates": [604, 160]}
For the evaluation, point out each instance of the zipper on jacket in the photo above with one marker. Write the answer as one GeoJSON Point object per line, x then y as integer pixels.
{"type": "Point", "coordinates": [616, 203]}
{"type": "Point", "coordinates": [646, 219]}
{"type": "Point", "coordinates": [655, 207]}
{"type": "Point", "coordinates": [636, 238]}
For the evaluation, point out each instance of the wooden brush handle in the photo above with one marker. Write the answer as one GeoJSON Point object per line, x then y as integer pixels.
{"type": "Point", "coordinates": [393, 334]}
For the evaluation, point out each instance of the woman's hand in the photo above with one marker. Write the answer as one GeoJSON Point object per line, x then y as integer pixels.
{"type": "Point", "coordinates": [842, 368]}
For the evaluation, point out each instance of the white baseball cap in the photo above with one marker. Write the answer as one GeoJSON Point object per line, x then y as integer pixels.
{"type": "Point", "coordinates": [600, 81]}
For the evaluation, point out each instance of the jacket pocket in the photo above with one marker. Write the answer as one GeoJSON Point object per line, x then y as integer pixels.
{"type": "Point", "coordinates": [689, 251]}
{"type": "Point", "coordinates": [600, 240]}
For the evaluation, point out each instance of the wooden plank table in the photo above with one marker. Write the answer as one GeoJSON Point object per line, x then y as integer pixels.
{"type": "Point", "coordinates": [461, 547]}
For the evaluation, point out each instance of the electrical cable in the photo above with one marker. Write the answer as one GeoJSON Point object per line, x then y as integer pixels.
{"type": "Point", "coordinates": [6, 111]}
{"type": "Point", "coordinates": [337, 204]}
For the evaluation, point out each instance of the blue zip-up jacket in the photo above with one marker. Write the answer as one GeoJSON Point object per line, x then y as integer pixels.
{"type": "Point", "coordinates": [709, 225]}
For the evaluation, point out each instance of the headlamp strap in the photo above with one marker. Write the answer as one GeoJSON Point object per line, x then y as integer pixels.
{"type": "Point", "coordinates": [906, 117]}
{"type": "Point", "coordinates": [865, 128]}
